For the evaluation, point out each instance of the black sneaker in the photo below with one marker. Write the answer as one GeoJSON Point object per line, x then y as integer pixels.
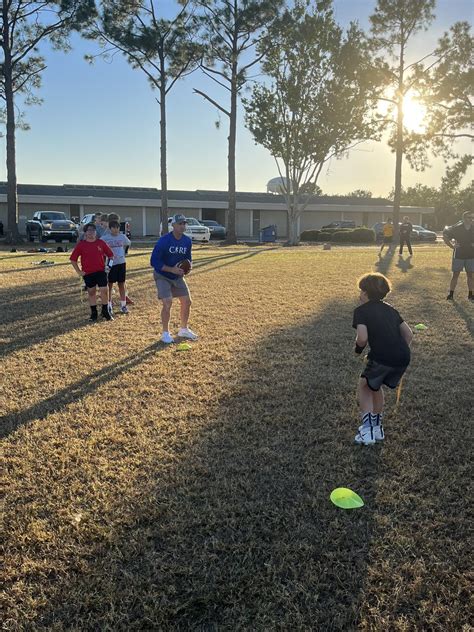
{"type": "Point", "coordinates": [106, 314]}
{"type": "Point", "coordinates": [450, 297]}
{"type": "Point", "coordinates": [93, 318]}
{"type": "Point", "coordinates": [470, 298]}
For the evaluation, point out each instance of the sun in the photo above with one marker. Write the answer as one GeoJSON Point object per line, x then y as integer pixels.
{"type": "Point", "coordinates": [414, 114]}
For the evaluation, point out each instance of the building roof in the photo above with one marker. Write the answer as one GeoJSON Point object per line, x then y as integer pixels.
{"type": "Point", "coordinates": [150, 193]}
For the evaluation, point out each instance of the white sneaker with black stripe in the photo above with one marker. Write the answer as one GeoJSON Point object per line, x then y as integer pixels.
{"type": "Point", "coordinates": [376, 421]}
{"type": "Point", "coordinates": [365, 433]}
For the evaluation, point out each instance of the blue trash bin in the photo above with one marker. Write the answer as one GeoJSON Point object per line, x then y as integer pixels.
{"type": "Point", "coordinates": [268, 234]}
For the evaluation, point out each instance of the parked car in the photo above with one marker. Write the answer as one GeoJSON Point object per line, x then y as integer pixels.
{"type": "Point", "coordinates": [194, 229]}
{"type": "Point", "coordinates": [345, 223]}
{"type": "Point", "coordinates": [217, 230]}
{"type": "Point", "coordinates": [125, 227]}
{"type": "Point", "coordinates": [51, 225]}
{"type": "Point", "coordinates": [418, 234]}
{"type": "Point", "coordinates": [423, 234]}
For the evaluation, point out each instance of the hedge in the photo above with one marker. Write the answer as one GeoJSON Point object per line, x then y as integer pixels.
{"type": "Point", "coordinates": [342, 235]}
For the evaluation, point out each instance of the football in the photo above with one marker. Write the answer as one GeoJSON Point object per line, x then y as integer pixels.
{"type": "Point", "coordinates": [185, 265]}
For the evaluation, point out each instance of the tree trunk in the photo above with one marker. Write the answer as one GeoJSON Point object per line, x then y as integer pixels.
{"type": "Point", "coordinates": [163, 154]}
{"type": "Point", "coordinates": [398, 169]}
{"type": "Point", "coordinates": [293, 214]}
{"type": "Point", "coordinates": [399, 149]}
{"type": "Point", "coordinates": [13, 234]}
{"type": "Point", "coordinates": [231, 232]}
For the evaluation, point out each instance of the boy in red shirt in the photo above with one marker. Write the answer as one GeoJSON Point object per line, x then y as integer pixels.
{"type": "Point", "coordinates": [92, 252]}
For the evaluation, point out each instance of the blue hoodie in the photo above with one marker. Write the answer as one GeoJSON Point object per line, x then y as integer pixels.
{"type": "Point", "coordinates": [169, 251]}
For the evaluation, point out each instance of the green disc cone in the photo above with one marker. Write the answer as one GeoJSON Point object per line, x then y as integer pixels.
{"type": "Point", "coordinates": [183, 346]}
{"type": "Point", "coordinates": [420, 327]}
{"type": "Point", "coordinates": [345, 498]}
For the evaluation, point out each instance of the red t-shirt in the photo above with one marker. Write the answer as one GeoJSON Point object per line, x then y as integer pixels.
{"type": "Point", "coordinates": [92, 254]}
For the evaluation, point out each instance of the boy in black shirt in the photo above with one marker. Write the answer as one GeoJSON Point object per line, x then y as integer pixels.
{"type": "Point", "coordinates": [389, 337]}
{"type": "Point", "coordinates": [460, 238]}
{"type": "Point", "coordinates": [406, 229]}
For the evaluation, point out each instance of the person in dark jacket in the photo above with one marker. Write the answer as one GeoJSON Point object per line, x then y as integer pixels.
{"type": "Point", "coordinates": [406, 228]}
{"type": "Point", "coordinates": [460, 238]}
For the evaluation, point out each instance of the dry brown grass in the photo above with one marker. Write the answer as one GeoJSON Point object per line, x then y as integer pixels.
{"type": "Point", "coordinates": [148, 489]}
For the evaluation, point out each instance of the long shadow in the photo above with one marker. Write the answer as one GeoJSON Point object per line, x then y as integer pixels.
{"type": "Point", "coordinates": [385, 261]}
{"type": "Point", "coordinates": [30, 305]}
{"type": "Point", "coordinates": [404, 264]}
{"type": "Point", "coordinates": [35, 267]}
{"type": "Point", "coordinates": [86, 386]}
{"type": "Point", "coordinates": [465, 314]}
{"type": "Point", "coordinates": [241, 533]}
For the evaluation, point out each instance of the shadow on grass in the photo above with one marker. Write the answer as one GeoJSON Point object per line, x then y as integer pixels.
{"type": "Point", "coordinates": [404, 264]}
{"type": "Point", "coordinates": [30, 305]}
{"type": "Point", "coordinates": [74, 392]}
{"type": "Point", "coordinates": [385, 261]}
{"type": "Point", "coordinates": [240, 533]}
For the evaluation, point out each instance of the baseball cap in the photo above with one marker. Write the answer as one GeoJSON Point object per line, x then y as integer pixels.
{"type": "Point", "coordinates": [179, 217]}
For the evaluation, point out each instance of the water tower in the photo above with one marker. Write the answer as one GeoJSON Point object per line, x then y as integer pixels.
{"type": "Point", "coordinates": [277, 185]}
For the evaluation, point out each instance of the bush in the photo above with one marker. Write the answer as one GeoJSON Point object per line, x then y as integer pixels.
{"type": "Point", "coordinates": [310, 235]}
{"type": "Point", "coordinates": [355, 236]}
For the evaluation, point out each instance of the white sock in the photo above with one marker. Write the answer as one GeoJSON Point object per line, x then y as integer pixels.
{"type": "Point", "coordinates": [123, 303]}
{"type": "Point", "coordinates": [110, 304]}
{"type": "Point", "coordinates": [366, 419]}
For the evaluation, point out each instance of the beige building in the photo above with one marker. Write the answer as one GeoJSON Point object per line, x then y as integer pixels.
{"type": "Point", "coordinates": [141, 206]}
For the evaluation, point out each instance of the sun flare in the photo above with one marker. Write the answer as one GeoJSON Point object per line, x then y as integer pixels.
{"type": "Point", "coordinates": [414, 114]}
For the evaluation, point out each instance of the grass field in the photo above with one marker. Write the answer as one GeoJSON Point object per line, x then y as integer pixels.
{"type": "Point", "coordinates": [148, 489]}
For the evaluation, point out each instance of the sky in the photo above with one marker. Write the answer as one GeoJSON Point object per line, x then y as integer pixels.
{"type": "Point", "coordinates": [99, 124]}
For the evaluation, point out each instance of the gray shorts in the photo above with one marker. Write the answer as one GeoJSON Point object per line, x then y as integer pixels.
{"type": "Point", "coordinates": [170, 288]}
{"type": "Point", "coordinates": [459, 265]}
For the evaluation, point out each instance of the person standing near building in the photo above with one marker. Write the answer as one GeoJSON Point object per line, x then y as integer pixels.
{"type": "Point", "coordinates": [406, 228]}
{"type": "Point", "coordinates": [460, 237]}
{"type": "Point", "coordinates": [169, 251]}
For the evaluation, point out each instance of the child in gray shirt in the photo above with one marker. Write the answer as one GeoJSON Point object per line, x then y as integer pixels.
{"type": "Point", "coordinates": [117, 242]}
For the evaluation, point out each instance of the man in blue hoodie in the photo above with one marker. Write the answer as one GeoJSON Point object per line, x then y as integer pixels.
{"type": "Point", "coordinates": [168, 252]}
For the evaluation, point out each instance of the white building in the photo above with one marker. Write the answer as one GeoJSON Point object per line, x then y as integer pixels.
{"type": "Point", "coordinates": [254, 210]}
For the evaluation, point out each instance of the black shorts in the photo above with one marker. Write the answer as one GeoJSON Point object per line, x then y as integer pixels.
{"type": "Point", "coordinates": [95, 278]}
{"type": "Point", "coordinates": [377, 374]}
{"type": "Point", "coordinates": [117, 273]}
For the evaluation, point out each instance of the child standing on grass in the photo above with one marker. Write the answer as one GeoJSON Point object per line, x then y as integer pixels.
{"type": "Point", "coordinates": [387, 236]}
{"type": "Point", "coordinates": [117, 242]}
{"type": "Point", "coordinates": [116, 218]}
{"type": "Point", "coordinates": [389, 338]}
{"type": "Point", "coordinates": [93, 253]}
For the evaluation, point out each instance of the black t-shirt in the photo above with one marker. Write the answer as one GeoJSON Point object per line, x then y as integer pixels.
{"type": "Point", "coordinates": [465, 239]}
{"type": "Point", "coordinates": [387, 346]}
{"type": "Point", "coordinates": [405, 229]}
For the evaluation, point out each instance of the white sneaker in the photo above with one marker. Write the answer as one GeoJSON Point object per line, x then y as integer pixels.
{"type": "Point", "coordinates": [166, 337]}
{"type": "Point", "coordinates": [365, 436]}
{"type": "Point", "coordinates": [379, 434]}
{"type": "Point", "coordinates": [184, 332]}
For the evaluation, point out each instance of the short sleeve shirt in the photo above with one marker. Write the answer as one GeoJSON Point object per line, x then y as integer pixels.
{"type": "Point", "coordinates": [387, 346]}
{"type": "Point", "coordinates": [92, 255]}
{"type": "Point", "coordinates": [465, 239]}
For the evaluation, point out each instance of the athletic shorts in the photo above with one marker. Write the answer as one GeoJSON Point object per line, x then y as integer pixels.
{"type": "Point", "coordinates": [377, 374]}
{"type": "Point", "coordinates": [117, 273]}
{"type": "Point", "coordinates": [388, 240]}
{"type": "Point", "coordinates": [459, 265]}
{"type": "Point", "coordinates": [170, 288]}
{"type": "Point", "coordinates": [95, 278]}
